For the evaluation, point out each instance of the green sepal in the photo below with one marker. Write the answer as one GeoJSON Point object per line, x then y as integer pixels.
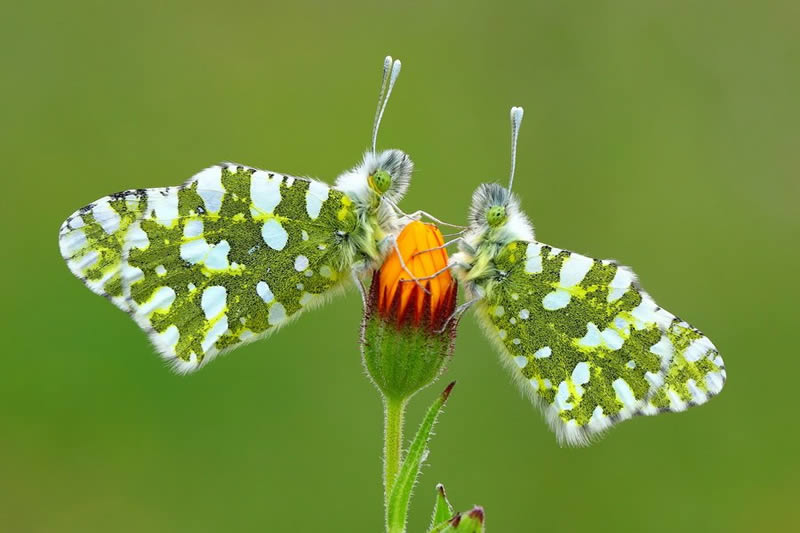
{"type": "Point", "coordinates": [397, 510]}
{"type": "Point", "coordinates": [401, 360]}
{"type": "Point", "coordinates": [442, 510]}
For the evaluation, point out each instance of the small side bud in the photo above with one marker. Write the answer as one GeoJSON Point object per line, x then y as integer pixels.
{"type": "Point", "coordinates": [469, 522]}
{"type": "Point", "coordinates": [446, 394]}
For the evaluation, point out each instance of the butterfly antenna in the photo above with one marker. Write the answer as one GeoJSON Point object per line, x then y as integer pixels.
{"type": "Point", "coordinates": [387, 64]}
{"type": "Point", "coordinates": [516, 120]}
{"type": "Point", "coordinates": [391, 75]}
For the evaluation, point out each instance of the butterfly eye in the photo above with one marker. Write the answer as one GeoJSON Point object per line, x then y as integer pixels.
{"type": "Point", "coordinates": [496, 215]}
{"type": "Point", "coordinates": [381, 181]}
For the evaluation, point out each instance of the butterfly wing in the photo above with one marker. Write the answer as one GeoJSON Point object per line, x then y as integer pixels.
{"type": "Point", "coordinates": [224, 259]}
{"type": "Point", "coordinates": [590, 347]}
{"type": "Point", "coordinates": [92, 239]}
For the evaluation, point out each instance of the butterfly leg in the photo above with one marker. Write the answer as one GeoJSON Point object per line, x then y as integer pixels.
{"type": "Point", "coordinates": [391, 240]}
{"type": "Point", "coordinates": [416, 215]}
{"type": "Point", "coordinates": [437, 273]}
{"type": "Point", "coordinates": [445, 245]}
{"type": "Point", "coordinates": [460, 310]}
{"type": "Point", "coordinates": [361, 290]}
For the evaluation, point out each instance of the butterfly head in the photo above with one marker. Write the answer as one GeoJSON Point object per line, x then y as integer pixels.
{"type": "Point", "coordinates": [495, 213]}
{"type": "Point", "coordinates": [388, 173]}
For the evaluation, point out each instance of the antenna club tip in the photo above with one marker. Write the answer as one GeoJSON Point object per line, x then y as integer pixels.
{"type": "Point", "coordinates": [387, 62]}
{"type": "Point", "coordinates": [396, 68]}
{"type": "Point", "coordinates": [516, 113]}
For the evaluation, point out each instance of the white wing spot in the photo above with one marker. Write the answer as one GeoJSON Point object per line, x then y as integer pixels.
{"type": "Point", "coordinates": [194, 251]}
{"type": "Point", "coordinates": [714, 382]}
{"type": "Point", "coordinates": [315, 196]}
{"type": "Point", "coordinates": [274, 235]}
{"type": "Point", "coordinates": [663, 348]}
{"type": "Point", "coordinates": [533, 261]}
{"type": "Point", "coordinates": [499, 311]}
{"type": "Point", "coordinates": [160, 270]}
{"type": "Point", "coordinates": [524, 314]}
{"type": "Point", "coordinates": [574, 269]}
{"type": "Point", "coordinates": [561, 397]}
{"type": "Point", "coordinates": [697, 349]}
{"type": "Point", "coordinates": [106, 216]}
{"type": "Point", "coordinates": [326, 272]}
{"type": "Point", "coordinates": [557, 299]}
{"type": "Point", "coordinates": [161, 300]}
{"type": "Point", "coordinates": [217, 258]}
{"type": "Point", "coordinates": [265, 192]}
{"type": "Point", "coordinates": [592, 337]}
{"type": "Point", "coordinates": [216, 331]}
{"type": "Point", "coordinates": [277, 314]}
{"type": "Point", "coordinates": [165, 206]}
{"type": "Point", "coordinates": [697, 395]}
{"type": "Point", "coordinates": [300, 263]}
{"type": "Point", "coordinates": [624, 393]}
{"type": "Point", "coordinates": [213, 301]}
{"type": "Point", "coordinates": [137, 237]}
{"type": "Point", "coordinates": [210, 189]}
{"type": "Point", "coordinates": [612, 339]}
{"type": "Point", "coordinates": [264, 291]}
{"type": "Point", "coordinates": [193, 228]}
{"type": "Point", "coordinates": [620, 284]}
{"type": "Point", "coordinates": [72, 242]}
{"type": "Point", "coordinates": [581, 374]}
{"type": "Point", "coordinates": [543, 353]}
{"type": "Point", "coordinates": [521, 361]}
{"type": "Point", "coordinates": [168, 338]}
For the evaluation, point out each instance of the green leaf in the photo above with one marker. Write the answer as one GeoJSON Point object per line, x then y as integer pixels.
{"type": "Point", "coordinates": [442, 510]}
{"type": "Point", "coordinates": [404, 483]}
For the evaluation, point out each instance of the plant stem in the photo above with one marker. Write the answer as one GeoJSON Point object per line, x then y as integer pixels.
{"type": "Point", "coordinates": [393, 415]}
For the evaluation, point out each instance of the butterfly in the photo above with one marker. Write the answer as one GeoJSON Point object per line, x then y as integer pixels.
{"type": "Point", "coordinates": [588, 345]}
{"type": "Point", "coordinates": [235, 252]}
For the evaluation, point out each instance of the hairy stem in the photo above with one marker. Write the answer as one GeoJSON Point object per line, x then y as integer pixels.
{"type": "Point", "coordinates": [393, 415]}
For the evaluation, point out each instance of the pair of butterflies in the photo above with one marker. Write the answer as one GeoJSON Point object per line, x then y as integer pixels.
{"type": "Point", "coordinates": [235, 252]}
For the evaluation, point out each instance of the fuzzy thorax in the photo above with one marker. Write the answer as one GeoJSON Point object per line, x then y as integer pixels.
{"type": "Point", "coordinates": [375, 219]}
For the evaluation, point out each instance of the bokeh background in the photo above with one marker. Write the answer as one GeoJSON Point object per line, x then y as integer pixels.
{"type": "Point", "coordinates": [663, 134]}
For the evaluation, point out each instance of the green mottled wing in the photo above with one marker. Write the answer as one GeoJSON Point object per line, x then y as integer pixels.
{"type": "Point", "coordinates": [590, 347]}
{"type": "Point", "coordinates": [224, 259]}
{"type": "Point", "coordinates": [91, 241]}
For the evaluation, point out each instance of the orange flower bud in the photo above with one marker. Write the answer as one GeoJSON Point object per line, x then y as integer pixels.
{"type": "Point", "coordinates": [406, 339]}
{"type": "Point", "coordinates": [404, 300]}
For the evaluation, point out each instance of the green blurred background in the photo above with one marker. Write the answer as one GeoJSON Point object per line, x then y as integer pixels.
{"type": "Point", "coordinates": [663, 134]}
